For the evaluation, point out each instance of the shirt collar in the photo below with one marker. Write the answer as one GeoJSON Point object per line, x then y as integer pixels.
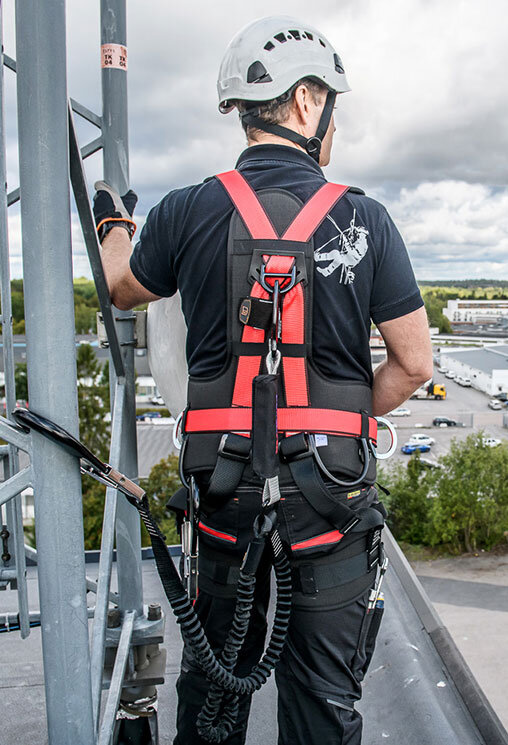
{"type": "Point", "coordinates": [280, 153]}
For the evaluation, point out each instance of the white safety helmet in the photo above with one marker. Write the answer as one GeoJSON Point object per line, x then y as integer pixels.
{"type": "Point", "coordinates": [270, 55]}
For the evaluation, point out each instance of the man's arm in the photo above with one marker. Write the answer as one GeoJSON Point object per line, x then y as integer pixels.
{"type": "Point", "coordinates": [408, 364]}
{"type": "Point", "coordinates": [124, 289]}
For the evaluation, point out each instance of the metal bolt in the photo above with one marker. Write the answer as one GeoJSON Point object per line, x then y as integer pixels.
{"type": "Point", "coordinates": [154, 612]}
{"type": "Point", "coordinates": [114, 618]}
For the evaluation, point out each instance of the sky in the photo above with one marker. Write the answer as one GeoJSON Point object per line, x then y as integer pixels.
{"type": "Point", "coordinates": [424, 129]}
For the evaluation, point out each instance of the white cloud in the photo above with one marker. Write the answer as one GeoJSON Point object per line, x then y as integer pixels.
{"type": "Point", "coordinates": [428, 106]}
{"type": "Point", "coordinates": [454, 229]}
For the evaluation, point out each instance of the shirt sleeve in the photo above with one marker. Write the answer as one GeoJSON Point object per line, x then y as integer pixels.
{"type": "Point", "coordinates": [151, 261]}
{"type": "Point", "coordinates": [394, 290]}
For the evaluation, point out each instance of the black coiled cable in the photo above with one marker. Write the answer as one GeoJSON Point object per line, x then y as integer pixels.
{"type": "Point", "coordinates": [220, 672]}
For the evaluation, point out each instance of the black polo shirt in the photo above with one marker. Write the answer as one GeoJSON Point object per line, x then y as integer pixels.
{"type": "Point", "coordinates": [362, 269]}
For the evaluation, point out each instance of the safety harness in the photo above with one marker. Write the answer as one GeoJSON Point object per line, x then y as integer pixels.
{"type": "Point", "coordinates": [270, 278]}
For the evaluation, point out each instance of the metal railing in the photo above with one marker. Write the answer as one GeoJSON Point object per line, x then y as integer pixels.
{"type": "Point", "coordinates": [48, 151]}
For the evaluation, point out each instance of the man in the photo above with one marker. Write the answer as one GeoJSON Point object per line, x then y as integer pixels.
{"type": "Point", "coordinates": [283, 77]}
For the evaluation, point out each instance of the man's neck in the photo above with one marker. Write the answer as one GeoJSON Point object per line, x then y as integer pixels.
{"type": "Point", "coordinates": [268, 139]}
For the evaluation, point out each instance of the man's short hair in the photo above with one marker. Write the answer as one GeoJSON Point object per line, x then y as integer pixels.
{"type": "Point", "coordinates": [277, 110]}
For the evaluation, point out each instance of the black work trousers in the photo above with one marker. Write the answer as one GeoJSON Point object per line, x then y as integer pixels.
{"type": "Point", "coordinates": [330, 639]}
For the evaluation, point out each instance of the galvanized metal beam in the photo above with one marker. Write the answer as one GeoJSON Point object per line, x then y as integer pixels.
{"type": "Point", "coordinates": [116, 173]}
{"type": "Point", "coordinates": [13, 512]}
{"type": "Point", "coordinates": [15, 436]}
{"type": "Point", "coordinates": [78, 181]}
{"type": "Point", "coordinates": [51, 355]}
{"type": "Point", "coordinates": [105, 563]}
{"type": "Point", "coordinates": [115, 690]}
{"type": "Point", "coordinates": [85, 113]}
{"type": "Point", "coordinates": [15, 484]}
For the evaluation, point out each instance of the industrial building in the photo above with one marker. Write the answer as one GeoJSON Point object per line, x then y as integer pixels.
{"type": "Point", "coordinates": [476, 312]}
{"type": "Point", "coordinates": [487, 367]}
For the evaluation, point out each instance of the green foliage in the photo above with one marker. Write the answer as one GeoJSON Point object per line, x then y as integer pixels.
{"type": "Point", "coordinates": [471, 510]}
{"type": "Point", "coordinates": [92, 398]}
{"type": "Point", "coordinates": [21, 381]}
{"type": "Point", "coordinates": [408, 504]}
{"type": "Point", "coordinates": [462, 505]}
{"type": "Point", "coordinates": [161, 484]}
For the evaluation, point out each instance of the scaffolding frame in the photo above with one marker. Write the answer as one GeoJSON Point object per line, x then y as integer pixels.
{"type": "Point", "coordinates": [49, 152]}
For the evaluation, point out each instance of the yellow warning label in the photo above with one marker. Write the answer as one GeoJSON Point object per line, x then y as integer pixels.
{"type": "Point", "coordinates": [114, 56]}
{"type": "Point", "coordinates": [352, 494]}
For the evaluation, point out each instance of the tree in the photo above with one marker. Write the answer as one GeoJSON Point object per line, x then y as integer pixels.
{"type": "Point", "coordinates": [92, 398]}
{"type": "Point", "coordinates": [471, 507]}
{"type": "Point", "coordinates": [162, 483]}
{"type": "Point", "coordinates": [21, 381]}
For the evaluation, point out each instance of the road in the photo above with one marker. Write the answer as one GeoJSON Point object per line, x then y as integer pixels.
{"type": "Point", "coordinates": [465, 405]}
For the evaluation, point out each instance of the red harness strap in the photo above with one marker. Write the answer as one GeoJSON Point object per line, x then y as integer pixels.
{"type": "Point", "coordinates": [301, 229]}
{"type": "Point", "coordinates": [297, 419]}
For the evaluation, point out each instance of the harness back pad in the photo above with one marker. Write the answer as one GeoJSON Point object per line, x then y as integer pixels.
{"type": "Point", "coordinates": [341, 455]}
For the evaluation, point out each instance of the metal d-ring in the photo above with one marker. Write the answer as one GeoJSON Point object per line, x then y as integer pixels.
{"type": "Point", "coordinates": [391, 450]}
{"type": "Point", "coordinates": [176, 428]}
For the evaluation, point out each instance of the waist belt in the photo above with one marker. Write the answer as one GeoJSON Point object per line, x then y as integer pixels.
{"type": "Point", "coordinates": [323, 421]}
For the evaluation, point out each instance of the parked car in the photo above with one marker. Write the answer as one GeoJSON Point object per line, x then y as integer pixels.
{"type": "Point", "coordinates": [428, 463]}
{"type": "Point", "coordinates": [418, 438]}
{"type": "Point", "coordinates": [157, 400]}
{"type": "Point", "coordinates": [495, 404]}
{"type": "Point", "coordinates": [451, 375]}
{"type": "Point", "coordinates": [442, 369]}
{"type": "Point", "coordinates": [411, 447]}
{"type": "Point", "coordinates": [401, 411]}
{"type": "Point", "coordinates": [491, 442]}
{"type": "Point", "coordinates": [466, 382]}
{"type": "Point", "coordinates": [503, 396]}
{"type": "Point", "coordinates": [443, 421]}
{"type": "Point", "coordinates": [148, 416]}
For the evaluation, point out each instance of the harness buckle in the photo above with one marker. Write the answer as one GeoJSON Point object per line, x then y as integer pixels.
{"type": "Point", "coordinates": [297, 453]}
{"type": "Point", "coordinates": [232, 454]}
{"type": "Point", "coordinates": [277, 275]}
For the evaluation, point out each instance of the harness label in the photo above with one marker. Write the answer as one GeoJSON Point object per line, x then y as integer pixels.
{"type": "Point", "coordinates": [321, 440]}
{"type": "Point", "coordinates": [352, 247]}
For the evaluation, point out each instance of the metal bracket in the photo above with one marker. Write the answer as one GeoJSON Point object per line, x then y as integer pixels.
{"type": "Point", "coordinates": [139, 330]}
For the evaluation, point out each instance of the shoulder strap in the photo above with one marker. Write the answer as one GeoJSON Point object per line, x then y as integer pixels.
{"type": "Point", "coordinates": [258, 222]}
{"type": "Point", "coordinates": [314, 212]}
{"type": "Point", "coordinates": [247, 205]}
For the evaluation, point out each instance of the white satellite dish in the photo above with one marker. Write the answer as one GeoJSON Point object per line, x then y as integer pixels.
{"type": "Point", "coordinates": [166, 339]}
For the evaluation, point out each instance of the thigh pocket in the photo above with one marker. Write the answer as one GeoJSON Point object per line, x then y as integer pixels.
{"type": "Point", "coordinates": [220, 528]}
{"type": "Point", "coordinates": [310, 534]}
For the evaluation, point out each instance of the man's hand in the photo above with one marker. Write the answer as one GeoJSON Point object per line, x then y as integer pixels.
{"type": "Point", "coordinates": [408, 364]}
{"type": "Point", "coordinates": [111, 210]}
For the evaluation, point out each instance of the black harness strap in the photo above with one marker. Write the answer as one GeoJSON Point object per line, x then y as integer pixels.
{"type": "Point", "coordinates": [232, 457]}
{"type": "Point", "coordinates": [299, 457]}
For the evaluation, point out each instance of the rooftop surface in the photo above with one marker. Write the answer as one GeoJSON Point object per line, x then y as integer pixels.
{"type": "Point", "coordinates": [486, 359]}
{"type": "Point", "coordinates": [408, 697]}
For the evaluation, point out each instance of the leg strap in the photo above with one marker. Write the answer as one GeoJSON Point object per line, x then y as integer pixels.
{"type": "Point", "coordinates": [233, 455]}
{"type": "Point", "coordinates": [296, 452]}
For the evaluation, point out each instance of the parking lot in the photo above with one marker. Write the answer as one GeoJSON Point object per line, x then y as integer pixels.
{"type": "Point", "coordinates": [465, 405]}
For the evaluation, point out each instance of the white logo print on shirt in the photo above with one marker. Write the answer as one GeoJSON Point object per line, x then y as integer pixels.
{"type": "Point", "coordinates": [352, 248]}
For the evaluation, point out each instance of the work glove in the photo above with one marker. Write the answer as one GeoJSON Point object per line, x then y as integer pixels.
{"type": "Point", "coordinates": [111, 210]}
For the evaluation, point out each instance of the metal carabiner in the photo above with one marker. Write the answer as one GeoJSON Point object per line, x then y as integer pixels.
{"type": "Point", "coordinates": [393, 447]}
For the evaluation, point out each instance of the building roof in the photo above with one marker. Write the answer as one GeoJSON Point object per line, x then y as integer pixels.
{"type": "Point", "coordinates": [487, 359]}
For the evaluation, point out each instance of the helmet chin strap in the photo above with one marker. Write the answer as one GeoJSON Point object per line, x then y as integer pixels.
{"type": "Point", "coordinates": [311, 145]}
